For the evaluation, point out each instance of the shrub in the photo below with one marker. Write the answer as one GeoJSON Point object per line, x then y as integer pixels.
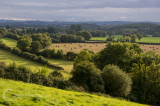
{"type": "Point", "coordinates": [56, 74]}
{"type": "Point", "coordinates": [116, 82]}
{"type": "Point", "coordinates": [16, 51]}
{"type": "Point", "coordinates": [70, 56]}
{"type": "Point", "coordinates": [87, 75]}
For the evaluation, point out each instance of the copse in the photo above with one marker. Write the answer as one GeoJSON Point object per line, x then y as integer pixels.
{"type": "Point", "coordinates": [87, 35]}
{"type": "Point", "coordinates": [116, 82]}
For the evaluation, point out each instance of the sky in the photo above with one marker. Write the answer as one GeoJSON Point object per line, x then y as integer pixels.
{"type": "Point", "coordinates": [81, 10]}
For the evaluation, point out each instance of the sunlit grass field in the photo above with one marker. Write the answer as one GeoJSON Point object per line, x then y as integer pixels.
{"type": "Point", "coordinates": [9, 42]}
{"type": "Point", "coordinates": [149, 40]}
{"type": "Point", "coordinates": [67, 65]}
{"type": "Point", "coordinates": [10, 58]}
{"type": "Point", "coordinates": [17, 93]}
{"type": "Point", "coordinates": [104, 38]}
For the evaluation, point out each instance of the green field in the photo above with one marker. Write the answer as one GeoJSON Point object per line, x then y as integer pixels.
{"type": "Point", "coordinates": [149, 40]}
{"type": "Point", "coordinates": [17, 93]}
{"type": "Point", "coordinates": [67, 65]}
{"type": "Point", "coordinates": [9, 58]}
{"type": "Point", "coordinates": [144, 39]}
{"type": "Point", "coordinates": [9, 42]}
{"type": "Point", "coordinates": [104, 38]}
{"type": "Point", "coordinates": [99, 38]}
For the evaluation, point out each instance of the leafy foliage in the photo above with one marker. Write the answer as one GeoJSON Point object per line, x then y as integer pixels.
{"type": "Point", "coordinates": [87, 75]}
{"type": "Point", "coordinates": [116, 82]}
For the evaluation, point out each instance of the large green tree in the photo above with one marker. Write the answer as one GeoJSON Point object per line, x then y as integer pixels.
{"type": "Point", "coordinates": [120, 54]}
{"type": "Point", "coordinates": [35, 46]}
{"type": "Point", "coordinates": [43, 39]}
{"type": "Point", "coordinates": [146, 82]}
{"type": "Point", "coordinates": [87, 75]}
{"type": "Point", "coordinates": [24, 44]}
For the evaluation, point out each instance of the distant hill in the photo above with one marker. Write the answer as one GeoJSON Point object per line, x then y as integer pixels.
{"type": "Point", "coordinates": [14, 23]}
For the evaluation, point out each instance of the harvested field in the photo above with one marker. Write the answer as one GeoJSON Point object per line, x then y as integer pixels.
{"type": "Point", "coordinates": [96, 47]}
{"type": "Point", "coordinates": [77, 47]}
{"type": "Point", "coordinates": [155, 48]}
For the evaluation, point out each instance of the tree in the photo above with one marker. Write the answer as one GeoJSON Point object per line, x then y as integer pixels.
{"type": "Point", "coordinates": [35, 46]}
{"type": "Point", "coordinates": [146, 82]}
{"type": "Point", "coordinates": [87, 35]}
{"type": "Point", "coordinates": [120, 54]}
{"type": "Point", "coordinates": [133, 38]}
{"type": "Point", "coordinates": [116, 82]}
{"type": "Point", "coordinates": [43, 39]}
{"type": "Point", "coordinates": [24, 44]}
{"type": "Point", "coordinates": [84, 55]}
{"type": "Point", "coordinates": [87, 75]}
{"type": "Point", "coordinates": [139, 36]}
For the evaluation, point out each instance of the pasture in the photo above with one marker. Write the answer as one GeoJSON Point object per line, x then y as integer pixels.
{"type": "Point", "coordinates": [67, 65]}
{"type": "Point", "coordinates": [104, 38]}
{"type": "Point", "coordinates": [9, 42]}
{"type": "Point", "coordinates": [149, 40]}
{"type": "Point", "coordinates": [17, 93]}
{"type": "Point", "coordinates": [34, 66]}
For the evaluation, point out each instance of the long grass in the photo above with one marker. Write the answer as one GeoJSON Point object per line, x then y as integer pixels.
{"type": "Point", "coordinates": [17, 93]}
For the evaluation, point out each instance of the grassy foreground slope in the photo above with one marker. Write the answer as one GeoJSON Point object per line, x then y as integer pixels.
{"type": "Point", "coordinates": [19, 94]}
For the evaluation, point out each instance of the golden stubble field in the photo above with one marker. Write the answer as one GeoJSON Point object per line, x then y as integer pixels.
{"type": "Point", "coordinates": [77, 47]}
{"type": "Point", "coordinates": [96, 47]}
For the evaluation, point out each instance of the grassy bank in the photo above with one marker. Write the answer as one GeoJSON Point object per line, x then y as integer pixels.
{"type": "Point", "coordinates": [20, 94]}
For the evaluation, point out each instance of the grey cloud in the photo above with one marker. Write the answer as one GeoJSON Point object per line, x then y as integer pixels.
{"type": "Point", "coordinates": [81, 10]}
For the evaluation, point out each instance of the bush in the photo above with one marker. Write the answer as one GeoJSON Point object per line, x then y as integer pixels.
{"type": "Point", "coordinates": [87, 75]}
{"type": "Point", "coordinates": [70, 56]}
{"type": "Point", "coordinates": [116, 82]}
{"type": "Point", "coordinates": [56, 74]}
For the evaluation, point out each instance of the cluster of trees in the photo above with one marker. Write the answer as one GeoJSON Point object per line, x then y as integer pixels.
{"type": "Point", "coordinates": [80, 36]}
{"type": "Point", "coordinates": [126, 38]}
{"type": "Point", "coordinates": [98, 33]}
{"type": "Point", "coordinates": [48, 53]}
{"type": "Point", "coordinates": [96, 30]}
{"type": "Point", "coordinates": [66, 38]}
{"type": "Point", "coordinates": [34, 42]}
{"type": "Point", "coordinates": [120, 69]}
{"type": "Point", "coordinates": [42, 30]}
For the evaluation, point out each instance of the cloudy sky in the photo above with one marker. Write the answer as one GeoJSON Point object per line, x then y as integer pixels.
{"type": "Point", "coordinates": [81, 10]}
